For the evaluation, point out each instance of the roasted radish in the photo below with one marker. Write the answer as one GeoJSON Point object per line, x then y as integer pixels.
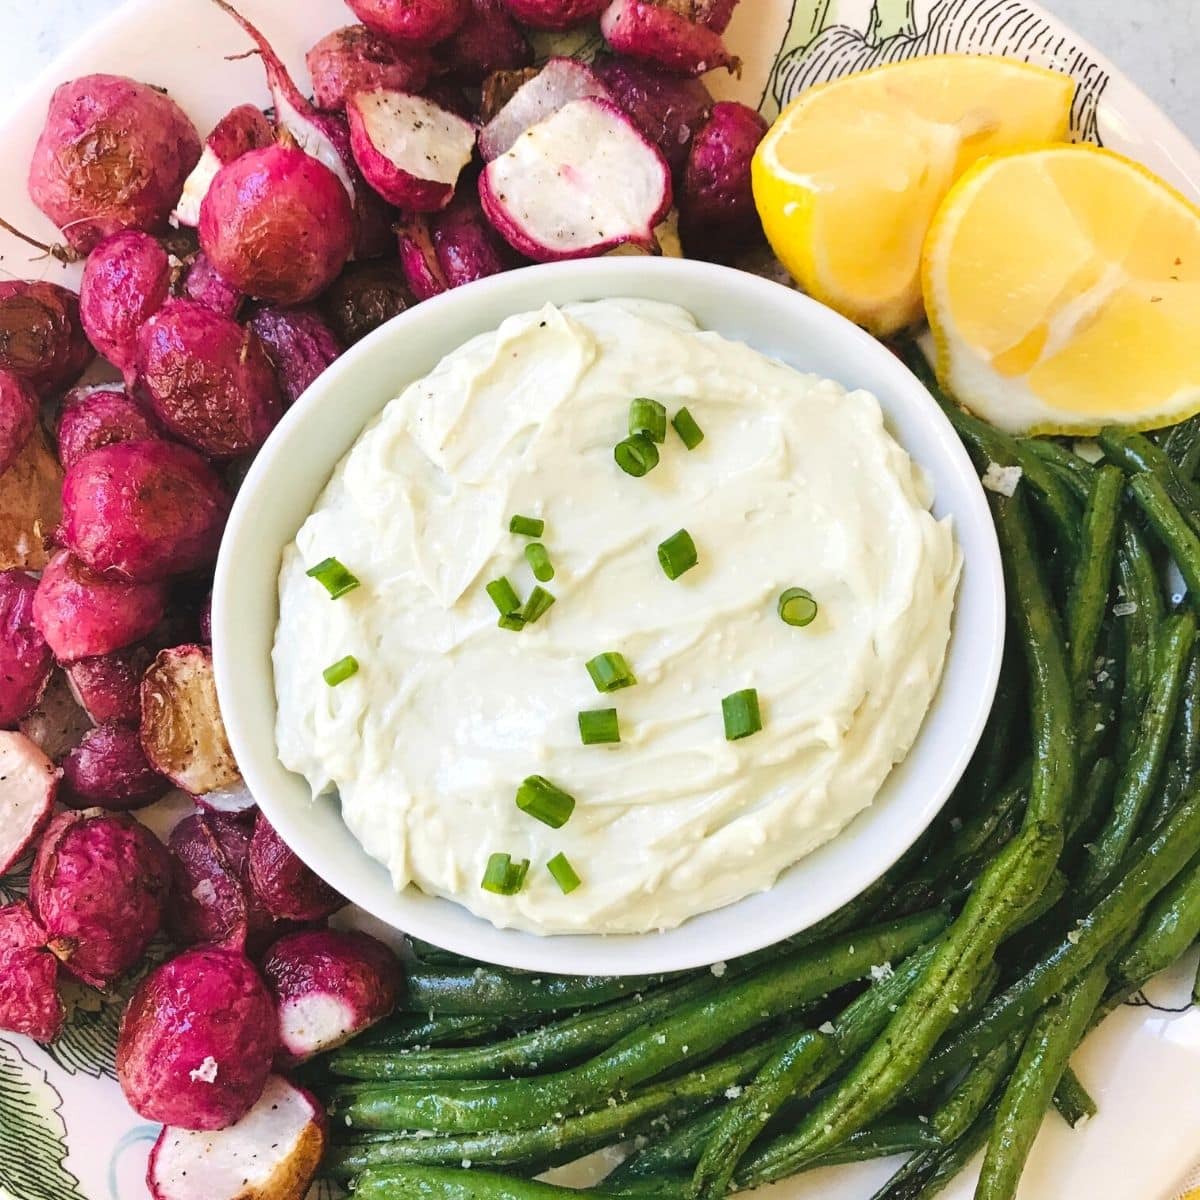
{"type": "Point", "coordinates": [450, 248]}
{"type": "Point", "coordinates": [284, 886]}
{"type": "Point", "coordinates": [18, 417]}
{"type": "Point", "coordinates": [92, 417]}
{"type": "Point", "coordinates": [555, 14]}
{"type": "Point", "coordinates": [57, 722]}
{"type": "Point", "coordinates": [667, 32]}
{"type": "Point", "coordinates": [233, 800]}
{"type": "Point", "coordinates": [107, 686]}
{"type": "Point", "coordinates": [559, 82]}
{"type": "Point", "coordinates": [112, 155]}
{"type": "Point", "coordinates": [242, 129]}
{"type": "Point", "coordinates": [41, 336]}
{"type": "Point", "coordinates": [29, 999]}
{"type": "Point", "coordinates": [577, 184]}
{"type": "Point", "coordinates": [366, 296]}
{"type": "Point", "coordinates": [489, 41]}
{"type": "Point", "coordinates": [99, 887]}
{"type": "Point", "coordinates": [413, 22]}
{"type": "Point", "coordinates": [144, 510]}
{"type": "Point", "coordinates": [329, 986]}
{"type": "Point", "coordinates": [207, 379]}
{"type": "Point", "coordinates": [354, 59]}
{"type": "Point", "coordinates": [196, 1041]}
{"type": "Point", "coordinates": [108, 769]}
{"type": "Point", "coordinates": [25, 658]}
{"type": "Point", "coordinates": [30, 785]}
{"type": "Point", "coordinates": [182, 731]}
{"type": "Point", "coordinates": [206, 285]}
{"type": "Point", "coordinates": [409, 149]}
{"type": "Point", "coordinates": [300, 345]}
{"type": "Point", "coordinates": [272, 1153]}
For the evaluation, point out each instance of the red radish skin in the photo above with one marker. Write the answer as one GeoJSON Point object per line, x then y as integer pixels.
{"type": "Point", "coordinates": [108, 769]}
{"type": "Point", "coordinates": [354, 59]}
{"type": "Point", "coordinates": [418, 258]}
{"type": "Point", "coordinates": [299, 343]}
{"type": "Point", "coordinates": [656, 31]}
{"type": "Point", "coordinates": [18, 417]}
{"type": "Point", "coordinates": [717, 216]}
{"type": "Point", "coordinates": [181, 728]}
{"type": "Point", "coordinates": [107, 686]}
{"type": "Point", "coordinates": [125, 282]}
{"type": "Point", "coordinates": [99, 886]}
{"type": "Point", "coordinates": [144, 510]}
{"type": "Point", "coordinates": [82, 613]}
{"type": "Point", "coordinates": [465, 243]}
{"type": "Point", "coordinates": [328, 986]}
{"type": "Point", "coordinates": [409, 149]}
{"type": "Point", "coordinates": [29, 999]}
{"type": "Point", "coordinates": [207, 380]}
{"type": "Point", "coordinates": [113, 155]}
{"type": "Point", "coordinates": [278, 225]}
{"type": "Point", "coordinates": [240, 130]}
{"type": "Point", "coordinates": [206, 285]}
{"type": "Point", "coordinates": [272, 1153]}
{"type": "Point", "coordinates": [489, 41]}
{"type": "Point", "coordinates": [560, 81]}
{"type": "Point", "coordinates": [555, 14]}
{"type": "Point", "coordinates": [30, 787]}
{"type": "Point", "coordinates": [41, 336]}
{"type": "Point", "coordinates": [717, 14]}
{"type": "Point", "coordinates": [25, 658]}
{"type": "Point", "coordinates": [577, 184]}
{"type": "Point", "coordinates": [667, 108]}
{"type": "Point", "coordinates": [92, 417]}
{"type": "Point", "coordinates": [196, 1040]}
{"type": "Point", "coordinates": [412, 22]}
{"type": "Point", "coordinates": [284, 886]}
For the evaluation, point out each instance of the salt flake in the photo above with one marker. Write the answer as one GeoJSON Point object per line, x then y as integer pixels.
{"type": "Point", "coordinates": [1001, 480]}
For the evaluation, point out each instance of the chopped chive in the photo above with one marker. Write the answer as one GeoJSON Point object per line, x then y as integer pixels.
{"type": "Point", "coordinates": [527, 526]}
{"type": "Point", "coordinates": [689, 432]}
{"type": "Point", "coordinates": [512, 621]}
{"type": "Point", "coordinates": [539, 560]}
{"type": "Point", "coordinates": [636, 455]}
{"type": "Point", "coordinates": [649, 419]}
{"type": "Point", "coordinates": [504, 596]}
{"type": "Point", "coordinates": [610, 671]}
{"type": "Point", "coordinates": [677, 554]}
{"type": "Point", "coordinates": [537, 604]}
{"type": "Point", "coordinates": [564, 874]}
{"type": "Point", "coordinates": [741, 715]}
{"type": "Point", "coordinates": [503, 876]}
{"type": "Point", "coordinates": [797, 607]}
{"type": "Point", "coordinates": [341, 670]}
{"type": "Point", "coordinates": [333, 577]}
{"type": "Point", "coordinates": [598, 726]}
{"type": "Point", "coordinates": [540, 799]}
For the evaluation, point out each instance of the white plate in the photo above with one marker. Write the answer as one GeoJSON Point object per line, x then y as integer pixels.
{"type": "Point", "coordinates": [65, 1130]}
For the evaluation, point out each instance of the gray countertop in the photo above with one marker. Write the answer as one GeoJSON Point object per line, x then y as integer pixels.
{"type": "Point", "coordinates": [1156, 42]}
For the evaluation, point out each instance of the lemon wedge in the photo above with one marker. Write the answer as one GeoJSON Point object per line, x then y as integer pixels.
{"type": "Point", "coordinates": [1063, 290]}
{"type": "Point", "coordinates": [848, 178]}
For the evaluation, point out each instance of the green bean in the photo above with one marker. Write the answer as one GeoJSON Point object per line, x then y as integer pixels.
{"type": "Point", "coordinates": [949, 1162]}
{"type": "Point", "coordinates": [493, 991]}
{"type": "Point", "coordinates": [974, 1092]}
{"type": "Point", "coordinates": [1073, 1100]}
{"type": "Point", "coordinates": [1142, 770]}
{"type": "Point", "coordinates": [404, 1032]}
{"type": "Point", "coordinates": [1185, 743]}
{"type": "Point", "coordinates": [1022, 1107]}
{"type": "Point", "coordinates": [1135, 454]}
{"type": "Point", "coordinates": [1141, 616]}
{"type": "Point", "coordinates": [1171, 925]}
{"type": "Point", "coordinates": [447, 1183]}
{"type": "Point", "coordinates": [1182, 444]}
{"type": "Point", "coordinates": [550, 1046]}
{"type": "Point", "coordinates": [990, 767]}
{"type": "Point", "coordinates": [690, 1032]}
{"type": "Point", "coordinates": [1010, 884]}
{"type": "Point", "coordinates": [1156, 861]}
{"type": "Point", "coordinates": [1055, 737]}
{"type": "Point", "coordinates": [1095, 799]}
{"type": "Point", "coordinates": [1088, 597]}
{"type": "Point", "coordinates": [1172, 528]}
{"type": "Point", "coordinates": [1102, 697]}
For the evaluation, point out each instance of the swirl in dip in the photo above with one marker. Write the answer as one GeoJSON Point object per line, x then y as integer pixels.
{"type": "Point", "coordinates": [796, 484]}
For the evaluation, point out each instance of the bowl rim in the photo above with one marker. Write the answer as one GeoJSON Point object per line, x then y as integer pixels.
{"type": "Point", "coordinates": [247, 559]}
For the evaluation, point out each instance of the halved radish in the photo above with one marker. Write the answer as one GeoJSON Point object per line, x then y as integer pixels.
{"type": "Point", "coordinates": [272, 1153]}
{"type": "Point", "coordinates": [577, 184]}
{"type": "Point", "coordinates": [671, 33]}
{"type": "Point", "coordinates": [29, 999]}
{"type": "Point", "coordinates": [559, 82]}
{"type": "Point", "coordinates": [409, 149]}
{"type": "Point", "coordinates": [28, 786]}
{"type": "Point", "coordinates": [244, 128]}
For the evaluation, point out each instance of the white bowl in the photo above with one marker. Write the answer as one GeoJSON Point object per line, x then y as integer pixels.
{"type": "Point", "coordinates": [290, 471]}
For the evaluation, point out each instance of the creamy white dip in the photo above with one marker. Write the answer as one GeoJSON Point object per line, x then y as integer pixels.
{"type": "Point", "coordinates": [796, 484]}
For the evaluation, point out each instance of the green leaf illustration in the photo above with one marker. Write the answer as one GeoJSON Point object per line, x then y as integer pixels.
{"type": "Point", "coordinates": [33, 1147]}
{"type": "Point", "coordinates": [15, 885]}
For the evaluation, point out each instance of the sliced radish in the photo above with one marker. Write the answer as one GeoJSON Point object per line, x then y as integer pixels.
{"type": "Point", "coordinates": [577, 184]}
{"type": "Point", "coordinates": [233, 800]}
{"type": "Point", "coordinates": [28, 786]}
{"type": "Point", "coordinates": [245, 128]}
{"type": "Point", "coordinates": [670, 33]}
{"type": "Point", "coordinates": [272, 1153]}
{"type": "Point", "coordinates": [559, 82]}
{"type": "Point", "coordinates": [409, 149]}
